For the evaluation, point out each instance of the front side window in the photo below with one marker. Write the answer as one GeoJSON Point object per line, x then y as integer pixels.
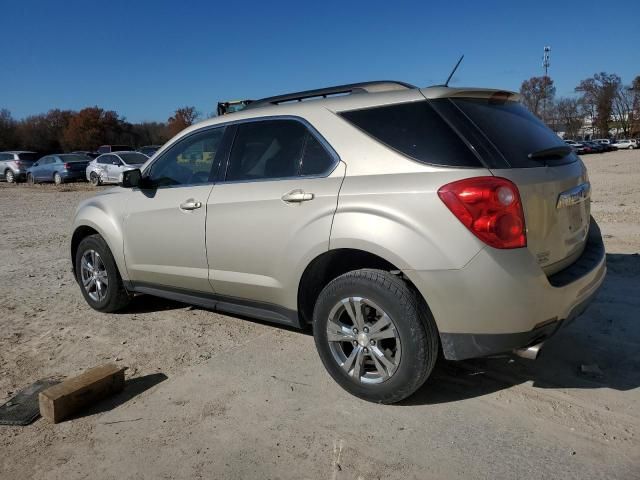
{"type": "Point", "coordinates": [189, 161]}
{"type": "Point", "coordinates": [274, 149]}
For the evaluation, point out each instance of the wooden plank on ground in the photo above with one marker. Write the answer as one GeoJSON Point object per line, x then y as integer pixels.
{"type": "Point", "coordinates": [64, 399]}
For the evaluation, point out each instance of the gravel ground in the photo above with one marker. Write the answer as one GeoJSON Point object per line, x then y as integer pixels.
{"type": "Point", "coordinates": [218, 396]}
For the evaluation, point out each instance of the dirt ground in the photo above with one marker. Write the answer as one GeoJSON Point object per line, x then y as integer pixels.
{"type": "Point", "coordinates": [214, 396]}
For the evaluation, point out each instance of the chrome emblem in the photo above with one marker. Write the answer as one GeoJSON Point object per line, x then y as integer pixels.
{"type": "Point", "coordinates": [574, 196]}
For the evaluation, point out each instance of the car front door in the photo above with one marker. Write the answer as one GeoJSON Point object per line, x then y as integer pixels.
{"type": "Point", "coordinates": [114, 168]}
{"type": "Point", "coordinates": [164, 228]}
{"type": "Point", "coordinates": [272, 213]}
{"type": "Point", "coordinates": [44, 167]}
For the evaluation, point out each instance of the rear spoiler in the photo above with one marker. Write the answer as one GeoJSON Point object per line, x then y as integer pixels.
{"type": "Point", "coordinates": [465, 92]}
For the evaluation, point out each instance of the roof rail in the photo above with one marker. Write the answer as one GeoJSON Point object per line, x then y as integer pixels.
{"type": "Point", "coordinates": [363, 87]}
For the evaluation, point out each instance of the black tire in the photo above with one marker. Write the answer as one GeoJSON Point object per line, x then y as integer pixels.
{"type": "Point", "coordinates": [9, 176]}
{"type": "Point", "coordinates": [413, 322]}
{"type": "Point", "coordinates": [30, 179]}
{"type": "Point", "coordinates": [95, 180]}
{"type": "Point", "coordinates": [57, 179]}
{"type": "Point", "coordinates": [116, 297]}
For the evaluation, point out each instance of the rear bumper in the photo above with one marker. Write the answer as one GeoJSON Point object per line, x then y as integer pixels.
{"type": "Point", "coordinates": [502, 300]}
{"type": "Point", "coordinates": [73, 175]}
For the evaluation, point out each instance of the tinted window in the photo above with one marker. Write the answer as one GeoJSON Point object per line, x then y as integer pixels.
{"type": "Point", "coordinates": [266, 149]}
{"type": "Point", "coordinates": [5, 156]}
{"type": "Point", "coordinates": [31, 157]}
{"type": "Point", "coordinates": [189, 161]}
{"type": "Point", "coordinates": [133, 158]}
{"type": "Point", "coordinates": [74, 158]}
{"type": "Point", "coordinates": [104, 159]}
{"type": "Point", "coordinates": [514, 130]}
{"type": "Point", "coordinates": [315, 160]}
{"type": "Point", "coordinates": [416, 130]}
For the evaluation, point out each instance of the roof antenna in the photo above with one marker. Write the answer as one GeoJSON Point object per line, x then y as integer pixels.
{"type": "Point", "coordinates": [446, 84]}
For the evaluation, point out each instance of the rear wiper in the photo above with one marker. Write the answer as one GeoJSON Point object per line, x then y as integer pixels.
{"type": "Point", "coordinates": [553, 152]}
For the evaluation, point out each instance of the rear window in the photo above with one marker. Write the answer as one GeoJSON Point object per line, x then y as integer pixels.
{"type": "Point", "coordinates": [30, 157]}
{"type": "Point", "coordinates": [416, 130]}
{"type": "Point", "coordinates": [513, 130]}
{"type": "Point", "coordinates": [74, 158]}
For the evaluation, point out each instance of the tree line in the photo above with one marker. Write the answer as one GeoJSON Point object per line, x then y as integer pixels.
{"type": "Point", "coordinates": [87, 129]}
{"type": "Point", "coordinates": [609, 104]}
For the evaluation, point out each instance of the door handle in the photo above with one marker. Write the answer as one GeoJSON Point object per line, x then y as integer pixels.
{"type": "Point", "coordinates": [190, 205]}
{"type": "Point", "coordinates": [297, 196]}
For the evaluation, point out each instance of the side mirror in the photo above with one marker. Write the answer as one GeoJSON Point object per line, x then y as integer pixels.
{"type": "Point", "coordinates": [35, 164]}
{"type": "Point", "coordinates": [130, 178]}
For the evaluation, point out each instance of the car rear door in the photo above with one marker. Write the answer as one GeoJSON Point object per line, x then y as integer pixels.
{"type": "Point", "coordinates": [164, 226]}
{"type": "Point", "coordinates": [272, 212]}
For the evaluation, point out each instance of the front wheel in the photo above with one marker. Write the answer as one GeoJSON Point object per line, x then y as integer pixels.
{"type": "Point", "coordinates": [375, 335]}
{"type": "Point", "coordinates": [94, 178]}
{"type": "Point", "coordinates": [98, 276]}
{"type": "Point", "coordinates": [30, 179]}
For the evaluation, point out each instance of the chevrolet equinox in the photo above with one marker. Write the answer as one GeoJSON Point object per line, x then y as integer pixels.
{"type": "Point", "coordinates": [399, 223]}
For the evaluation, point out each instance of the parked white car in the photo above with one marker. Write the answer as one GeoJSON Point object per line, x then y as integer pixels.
{"type": "Point", "coordinates": [107, 167]}
{"type": "Point", "coordinates": [626, 144]}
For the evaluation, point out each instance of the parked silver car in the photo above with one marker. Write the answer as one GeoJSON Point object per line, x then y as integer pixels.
{"type": "Point", "coordinates": [107, 167]}
{"type": "Point", "coordinates": [14, 165]}
{"type": "Point", "coordinates": [396, 221]}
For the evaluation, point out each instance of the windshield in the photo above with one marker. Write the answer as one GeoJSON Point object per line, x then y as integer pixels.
{"type": "Point", "coordinates": [133, 158]}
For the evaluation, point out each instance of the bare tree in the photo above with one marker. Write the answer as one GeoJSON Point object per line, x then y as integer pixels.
{"type": "Point", "coordinates": [623, 109]}
{"type": "Point", "coordinates": [569, 116]}
{"type": "Point", "coordinates": [598, 93]}
{"type": "Point", "coordinates": [536, 92]}
{"type": "Point", "coordinates": [8, 130]}
{"type": "Point", "coordinates": [181, 119]}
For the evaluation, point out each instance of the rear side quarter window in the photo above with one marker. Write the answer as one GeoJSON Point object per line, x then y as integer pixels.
{"type": "Point", "coordinates": [416, 130]}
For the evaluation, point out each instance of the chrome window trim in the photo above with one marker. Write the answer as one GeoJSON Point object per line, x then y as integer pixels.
{"type": "Point", "coordinates": [327, 146]}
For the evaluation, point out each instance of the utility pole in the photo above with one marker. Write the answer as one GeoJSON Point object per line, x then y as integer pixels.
{"type": "Point", "coordinates": [546, 63]}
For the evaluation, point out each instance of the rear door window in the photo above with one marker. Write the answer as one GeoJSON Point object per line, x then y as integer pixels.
{"type": "Point", "coordinates": [267, 149]}
{"type": "Point", "coordinates": [277, 149]}
{"type": "Point", "coordinates": [416, 130]}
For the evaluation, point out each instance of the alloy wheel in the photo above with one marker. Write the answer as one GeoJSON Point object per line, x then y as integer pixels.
{"type": "Point", "coordinates": [94, 276]}
{"type": "Point", "coordinates": [363, 340]}
{"type": "Point", "coordinates": [10, 177]}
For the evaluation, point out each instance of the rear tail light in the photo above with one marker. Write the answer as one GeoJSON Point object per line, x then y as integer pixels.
{"type": "Point", "coordinates": [67, 166]}
{"type": "Point", "coordinates": [490, 208]}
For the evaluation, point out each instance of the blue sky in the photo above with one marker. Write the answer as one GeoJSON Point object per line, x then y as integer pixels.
{"type": "Point", "coordinates": [146, 58]}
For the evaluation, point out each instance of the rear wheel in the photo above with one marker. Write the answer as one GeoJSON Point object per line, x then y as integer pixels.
{"type": "Point", "coordinates": [94, 178]}
{"type": "Point", "coordinates": [9, 176]}
{"type": "Point", "coordinates": [630, 147]}
{"type": "Point", "coordinates": [98, 276]}
{"type": "Point", "coordinates": [374, 335]}
{"type": "Point", "coordinates": [57, 179]}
